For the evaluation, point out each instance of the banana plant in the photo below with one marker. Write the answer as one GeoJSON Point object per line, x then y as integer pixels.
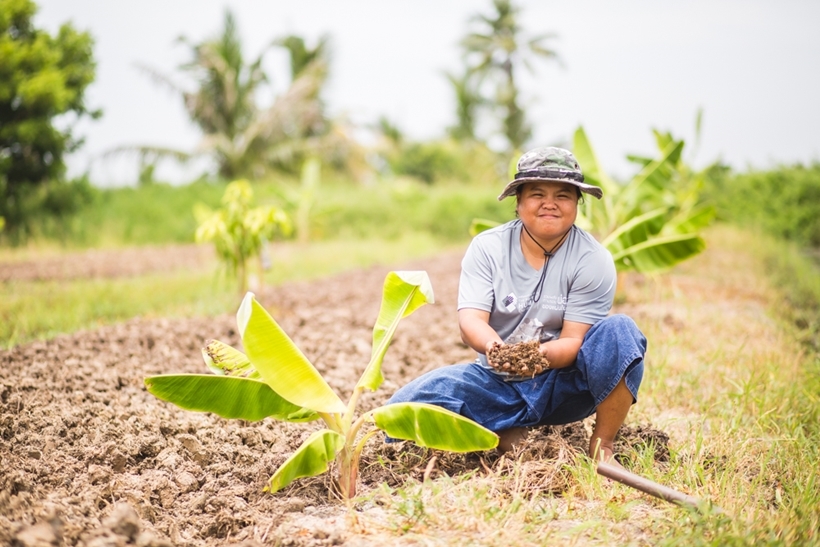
{"type": "Point", "coordinates": [273, 378]}
{"type": "Point", "coordinates": [239, 231]}
{"type": "Point", "coordinates": [654, 220]}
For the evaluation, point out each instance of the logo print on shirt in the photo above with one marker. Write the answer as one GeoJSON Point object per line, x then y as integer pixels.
{"type": "Point", "coordinates": [509, 302]}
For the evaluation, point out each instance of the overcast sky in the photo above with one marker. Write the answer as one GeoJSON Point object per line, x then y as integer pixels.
{"type": "Point", "coordinates": [753, 66]}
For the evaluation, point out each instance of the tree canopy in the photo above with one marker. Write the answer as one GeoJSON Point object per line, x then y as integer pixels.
{"type": "Point", "coordinates": [241, 136]}
{"type": "Point", "coordinates": [495, 50]}
{"type": "Point", "coordinates": [42, 77]}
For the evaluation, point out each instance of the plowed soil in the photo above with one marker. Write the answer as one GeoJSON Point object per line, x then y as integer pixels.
{"type": "Point", "coordinates": [88, 457]}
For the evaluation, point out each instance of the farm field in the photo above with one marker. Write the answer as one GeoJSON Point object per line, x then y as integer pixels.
{"type": "Point", "coordinates": [89, 457]}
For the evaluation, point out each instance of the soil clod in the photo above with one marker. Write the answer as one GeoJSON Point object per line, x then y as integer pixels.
{"type": "Point", "coordinates": [520, 359]}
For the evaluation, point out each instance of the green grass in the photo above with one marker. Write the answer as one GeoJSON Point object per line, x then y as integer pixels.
{"type": "Point", "coordinates": [31, 310]}
{"type": "Point", "coordinates": [341, 209]}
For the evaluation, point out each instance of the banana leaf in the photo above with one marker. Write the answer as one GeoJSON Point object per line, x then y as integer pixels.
{"type": "Point", "coordinates": [309, 460]}
{"type": "Point", "coordinates": [657, 174]}
{"type": "Point", "coordinates": [690, 221]}
{"type": "Point", "coordinates": [403, 293]}
{"type": "Point", "coordinates": [226, 360]}
{"type": "Point", "coordinates": [281, 364]}
{"type": "Point", "coordinates": [226, 396]}
{"type": "Point", "coordinates": [660, 253]}
{"type": "Point", "coordinates": [631, 225]}
{"type": "Point", "coordinates": [479, 225]}
{"type": "Point", "coordinates": [593, 172]}
{"type": "Point", "coordinates": [433, 427]}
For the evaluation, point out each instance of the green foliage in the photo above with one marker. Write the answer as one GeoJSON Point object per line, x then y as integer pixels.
{"type": "Point", "coordinates": [292, 389]}
{"type": "Point", "coordinates": [468, 101]}
{"type": "Point", "coordinates": [41, 77]}
{"type": "Point", "coordinates": [243, 138]}
{"type": "Point", "coordinates": [784, 202]}
{"type": "Point", "coordinates": [653, 221]}
{"type": "Point", "coordinates": [427, 161]}
{"type": "Point", "coordinates": [239, 231]}
{"type": "Point", "coordinates": [495, 51]}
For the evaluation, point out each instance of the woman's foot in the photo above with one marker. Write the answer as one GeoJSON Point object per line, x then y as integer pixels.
{"type": "Point", "coordinates": [603, 452]}
{"type": "Point", "coordinates": [510, 438]}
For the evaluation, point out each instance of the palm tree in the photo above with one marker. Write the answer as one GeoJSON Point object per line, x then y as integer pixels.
{"type": "Point", "coordinates": [242, 138]}
{"type": "Point", "coordinates": [468, 100]}
{"type": "Point", "coordinates": [496, 49]}
{"type": "Point", "coordinates": [302, 56]}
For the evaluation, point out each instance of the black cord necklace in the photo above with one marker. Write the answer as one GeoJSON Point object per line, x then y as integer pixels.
{"type": "Point", "coordinates": [539, 288]}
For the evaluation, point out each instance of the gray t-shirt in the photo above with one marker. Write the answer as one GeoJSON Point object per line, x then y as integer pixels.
{"type": "Point", "coordinates": [495, 277]}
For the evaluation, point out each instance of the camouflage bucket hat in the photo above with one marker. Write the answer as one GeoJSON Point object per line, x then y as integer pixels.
{"type": "Point", "coordinates": [549, 164]}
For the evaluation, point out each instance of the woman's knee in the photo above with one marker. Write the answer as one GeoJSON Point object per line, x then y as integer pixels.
{"type": "Point", "coordinates": [621, 327]}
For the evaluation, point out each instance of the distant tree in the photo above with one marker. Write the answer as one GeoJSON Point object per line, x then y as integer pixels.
{"type": "Point", "coordinates": [243, 138]}
{"type": "Point", "coordinates": [41, 77]}
{"type": "Point", "coordinates": [495, 51]}
{"type": "Point", "coordinates": [302, 56]}
{"type": "Point", "coordinates": [468, 100]}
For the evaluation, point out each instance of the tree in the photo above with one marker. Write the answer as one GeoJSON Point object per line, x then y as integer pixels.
{"type": "Point", "coordinates": [468, 100]}
{"type": "Point", "coordinates": [243, 138]}
{"type": "Point", "coordinates": [41, 77]}
{"type": "Point", "coordinates": [494, 52]}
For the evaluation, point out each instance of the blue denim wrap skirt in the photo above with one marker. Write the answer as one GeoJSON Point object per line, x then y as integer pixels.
{"type": "Point", "coordinates": [612, 349]}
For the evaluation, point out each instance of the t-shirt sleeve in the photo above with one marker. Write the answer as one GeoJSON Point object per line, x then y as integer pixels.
{"type": "Point", "coordinates": [593, 288]}
{"type": "Point", "coordinates": [475, 287]}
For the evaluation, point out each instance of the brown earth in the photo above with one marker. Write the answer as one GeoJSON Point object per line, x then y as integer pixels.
{"type": "Point", "coordinates": [88, 457]}
{"type": "Point", "coordinates": [521, 359]}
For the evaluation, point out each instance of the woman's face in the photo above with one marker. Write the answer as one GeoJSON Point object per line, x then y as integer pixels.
{"type": "Point", "coordinates": [547, 209]}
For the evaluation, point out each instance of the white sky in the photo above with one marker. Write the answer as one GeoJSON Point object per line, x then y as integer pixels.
{"type": "Point", "coordinates": [752, 65]}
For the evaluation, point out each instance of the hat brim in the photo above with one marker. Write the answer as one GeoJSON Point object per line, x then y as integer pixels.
{"type": "Point", "coordinates": [590, 189]}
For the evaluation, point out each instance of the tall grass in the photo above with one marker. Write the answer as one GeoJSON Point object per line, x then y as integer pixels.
{"type": "Point", "coordinates": [341, 209]}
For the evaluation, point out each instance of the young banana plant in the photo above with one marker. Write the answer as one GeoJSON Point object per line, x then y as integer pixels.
{"type": "Point", "coordinates": [273, 378]}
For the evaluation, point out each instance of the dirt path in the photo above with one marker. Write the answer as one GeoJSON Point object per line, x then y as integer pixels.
{"type": "Point", "coordinates": [90, 458]}
{"type": "Point", "coordinates": [108, 263]}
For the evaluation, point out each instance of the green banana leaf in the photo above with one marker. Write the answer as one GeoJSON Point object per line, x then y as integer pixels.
{"type": "Point", "coordinates": [309, 460]}
{"type": "Point", "coordinates": [225, 360]}
{"type": "Point", "coordinates": [403, 293]}
{"type": "Point", "coordinates": [656, 174]}
{"type": "Point", "coordinates": [631, 225]}
{"type": "Point", "coordinates": [593, 172]}
{"type": "Point", "coordinates": [690, 221]}
{"type": "Point", "coordinates": [658, 254]}
{"type": "Point", "coordinates": [479, 225]}
{"type": "Point", "coordinates": [280, 363]}
{"type": "Point", "coordinates": [433, 427]}
{"type": "Point", "coordinates": [226, 396]}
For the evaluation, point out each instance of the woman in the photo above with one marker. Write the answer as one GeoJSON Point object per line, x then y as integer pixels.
{"type": "Point", "coordinates": [540, 277]}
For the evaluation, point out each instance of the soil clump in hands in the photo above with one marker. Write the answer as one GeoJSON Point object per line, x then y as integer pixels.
{"type": "Point", "coordinates": [520, 359]}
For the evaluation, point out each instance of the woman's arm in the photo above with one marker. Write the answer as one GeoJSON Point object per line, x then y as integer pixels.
{"type": "Point", "coordinates": [563, 351]}
{"type": "Point", "coordinates": [475, 329]}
